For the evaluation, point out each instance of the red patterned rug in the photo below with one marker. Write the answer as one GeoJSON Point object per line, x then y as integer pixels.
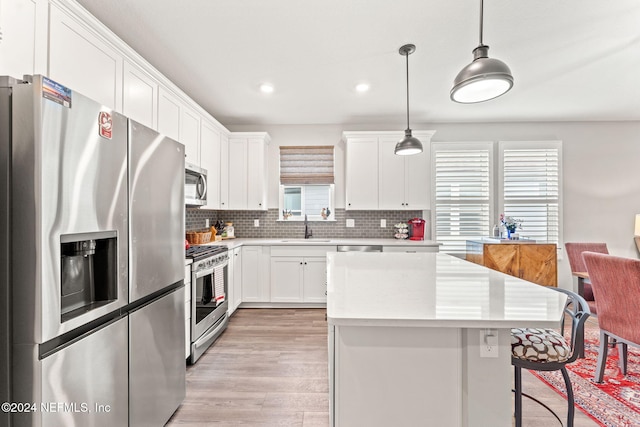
{"type": "Point", "coordinates": [616, 402]}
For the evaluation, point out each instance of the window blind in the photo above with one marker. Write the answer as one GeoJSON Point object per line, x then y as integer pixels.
{"type": "Point", "coordinates": [462, 175]}
{"type": "Point", "coordinates": [531, 188]}
{"type": "Point", "coordinates": [301, 165]}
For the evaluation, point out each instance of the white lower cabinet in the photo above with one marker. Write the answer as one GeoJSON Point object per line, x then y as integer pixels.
{"type": "Point", "coordinates": [299, 278]}
{"type": "Point", "coordinates": [234, 279]}
{"type": "Point", "coordinates": [255, 274]}
{"type": "Point", "coordinates": [187, 311]}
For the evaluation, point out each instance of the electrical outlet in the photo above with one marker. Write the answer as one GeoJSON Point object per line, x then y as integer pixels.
{"type": "Point", "coordinates": [488, 343]}
{"type": "Point", "coordinates": [256, 223]}
{"type": "Point", "coordinates": [206, 223]}
{"type": "Point", "coordinates": [351, 223]}
{"type": "Point", "coordinates": [383, 223]}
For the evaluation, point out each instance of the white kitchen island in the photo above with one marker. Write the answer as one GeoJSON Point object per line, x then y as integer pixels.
{"type": "Point", "coordinates": [406, 333]}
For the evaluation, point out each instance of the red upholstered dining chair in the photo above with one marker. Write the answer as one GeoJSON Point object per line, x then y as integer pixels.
{"type": "Point", "coordinates": [574, 251]}
{"type": "Point", "coordinates": [616, 286]}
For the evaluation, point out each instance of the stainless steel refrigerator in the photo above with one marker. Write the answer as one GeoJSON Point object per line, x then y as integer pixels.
{"type": "Point", "coordinates": [91, 250]}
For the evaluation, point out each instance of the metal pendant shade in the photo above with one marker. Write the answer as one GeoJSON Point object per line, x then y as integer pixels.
{"type": "Point", "coordinates": [409, 144]}
{"type": "Point", "coordinates": [484, 79]}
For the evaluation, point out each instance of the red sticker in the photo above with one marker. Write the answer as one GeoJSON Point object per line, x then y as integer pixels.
{"type": "Point", "coordinates": [105, 123]}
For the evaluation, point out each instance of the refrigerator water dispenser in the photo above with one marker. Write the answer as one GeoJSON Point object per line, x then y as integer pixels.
{"type": "Point", "coordinates": [88, 265]}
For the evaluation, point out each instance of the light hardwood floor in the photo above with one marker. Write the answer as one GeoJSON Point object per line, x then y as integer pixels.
{"type": "Point", "coordinates": [269, 368]}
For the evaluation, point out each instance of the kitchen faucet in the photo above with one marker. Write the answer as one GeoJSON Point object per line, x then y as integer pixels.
{"type": "Point", "coordinates": [307, 230]}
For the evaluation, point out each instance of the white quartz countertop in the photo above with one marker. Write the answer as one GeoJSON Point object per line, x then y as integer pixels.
{"type": "Point", "coordinates": [433, 290]}
{"type": "Point", "coordinates": [233, 243]}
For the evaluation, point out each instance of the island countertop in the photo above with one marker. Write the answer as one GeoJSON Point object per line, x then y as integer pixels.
{"type": "Point", "coordinates": [433, 290]}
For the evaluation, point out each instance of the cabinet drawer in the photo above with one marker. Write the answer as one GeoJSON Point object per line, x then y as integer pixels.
{"type": "Point", "coordinates": [302, 251]}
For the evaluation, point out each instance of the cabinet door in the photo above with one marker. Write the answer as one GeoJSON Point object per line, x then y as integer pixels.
{"type": "Point", "coordinates": [315, 280]}
{"type": "Point", "coordinates": [361, 179]}
{"type": "Point", "coordinates": [82, 61]}
{"type": "Point", "coordinates": [538, 264]}
{"type": "Point", "coordinates": [168, 114]}
{"type": "Point", "coordinates": [237, 173]}
{"type": "Point", "coordinates": [237, 279]}
{"type": "Point", "coordinates": [502, 257]}
{"type": "Point", "coordinates": [392, 174]}
{"type": "Point", "coordinates": [253, 275]}
{"type": "Point", "coordinates": [256, 174]}
{"type": "Point", "coordinates": [224, 171]}
{"type": "Point", "coordinates": [23, 48]}
{"type": "Point", "coordinates": [418, 179]}
{"type": "Point", "coordinates": [210, 160]}
{"type": "Point", "coordinates": [190, 135]}
{"type": "Point", "coordinates": [139, 96]}
{"type": "Point", "coordinates": [286, 279]}
{"type": "Point", "coordinates": [231, 290]}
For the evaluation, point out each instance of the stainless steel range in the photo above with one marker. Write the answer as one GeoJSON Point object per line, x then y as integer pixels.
{"type": "Point", "coordinates": [209, 289]}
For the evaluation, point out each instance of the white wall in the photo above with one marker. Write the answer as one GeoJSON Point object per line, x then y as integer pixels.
{"type": "Point", "coordinates": [601, 170]}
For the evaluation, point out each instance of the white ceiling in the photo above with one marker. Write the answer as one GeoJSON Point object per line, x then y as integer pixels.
{"type": "Point", "coordinates": [571, 59]}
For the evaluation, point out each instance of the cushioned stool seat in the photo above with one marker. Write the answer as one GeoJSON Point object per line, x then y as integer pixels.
{"type": "Point", "coordinates": [539, 345]}
{"type": "Point", "coordinates": [547, 350]}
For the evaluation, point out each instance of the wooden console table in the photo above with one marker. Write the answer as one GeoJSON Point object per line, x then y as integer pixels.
{"type": "Point", "coordinates": [535, 262]}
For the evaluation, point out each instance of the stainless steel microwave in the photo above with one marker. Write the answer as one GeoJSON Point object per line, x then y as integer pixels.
{"type": "Point", "coordinates": [195, 185]}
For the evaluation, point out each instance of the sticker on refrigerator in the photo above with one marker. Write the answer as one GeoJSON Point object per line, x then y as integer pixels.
{"type": "Point", "coordinates": [105, 124]}
{"type": "Point", "coordinates": [56, 92]}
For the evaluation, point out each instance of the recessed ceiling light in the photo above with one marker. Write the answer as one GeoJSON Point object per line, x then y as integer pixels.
{"type": "Point", "coordinates": [266, 88]}
{"type": "Point", "coordinates": [362, 87]}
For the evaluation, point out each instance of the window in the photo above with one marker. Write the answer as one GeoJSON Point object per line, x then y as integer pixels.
{"type": "Point", "coordinates": [463, 190]}
{"type": "Point", "coordinates": [530, 187]}
{"type": "Point", "coordinates": [528, 183]}
{"type": "Point", "coordinates": [306, 182]}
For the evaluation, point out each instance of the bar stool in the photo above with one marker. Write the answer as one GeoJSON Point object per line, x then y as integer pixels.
{"type": "Point", "coordinates": [547, 350]}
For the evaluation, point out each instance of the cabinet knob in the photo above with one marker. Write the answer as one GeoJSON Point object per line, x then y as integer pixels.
{"type": "Point", "coordinates": [300, 262]}
{"type": "Point", "coordinates": [349, 204]}
{"type": "Point", "coordinates": [259, 204]}
{"type": "Point", "coordinates": [305, 263]}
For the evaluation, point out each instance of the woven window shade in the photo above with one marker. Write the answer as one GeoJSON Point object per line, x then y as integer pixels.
{"type": "Point", "coordinates": [306, 165]}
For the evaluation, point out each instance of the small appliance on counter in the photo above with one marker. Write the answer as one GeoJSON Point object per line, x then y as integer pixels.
{"type": "Point", "coordinates": [416, 229]}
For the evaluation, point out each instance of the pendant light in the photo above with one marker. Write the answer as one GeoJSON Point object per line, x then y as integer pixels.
{"type": "Point", "coordinates": [409, 145]}
{"type": "Point", "coordinates": [484, 79]}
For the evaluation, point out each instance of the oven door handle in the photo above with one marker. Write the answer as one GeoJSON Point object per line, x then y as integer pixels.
{"type": "Point", "coordinates": [206, 272]}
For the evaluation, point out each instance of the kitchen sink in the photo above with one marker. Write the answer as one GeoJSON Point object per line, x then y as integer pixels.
{"type": "Point", "coordinates": [305, 240]}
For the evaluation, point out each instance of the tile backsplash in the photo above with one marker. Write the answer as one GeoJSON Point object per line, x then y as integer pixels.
{"type": "Point", "coordinates": [367, 223]}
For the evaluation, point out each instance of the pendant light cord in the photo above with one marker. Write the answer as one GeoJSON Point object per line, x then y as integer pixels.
{"type": "Point", "coordinates": [407, 55]}
{"type": "Point", "coordinates": [481, 19]}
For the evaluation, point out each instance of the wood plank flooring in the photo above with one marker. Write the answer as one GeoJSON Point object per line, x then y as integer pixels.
{"type": "Point", "coordinates": [269, 368]}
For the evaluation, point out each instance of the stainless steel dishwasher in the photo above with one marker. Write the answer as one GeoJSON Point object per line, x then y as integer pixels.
{"type": "Point", "coordinates": [360, 248]}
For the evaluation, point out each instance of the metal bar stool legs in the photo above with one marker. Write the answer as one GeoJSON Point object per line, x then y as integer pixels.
{"type": "Point", "coordinates": [571, 410]}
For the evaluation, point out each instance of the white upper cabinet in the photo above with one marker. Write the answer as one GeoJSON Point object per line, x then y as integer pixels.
{"type": "Point", "coordinates": [81, 60]}
{"type": "Point", "coordinates": [248, 170]}
{"type": "Point", "coordinates": [404, 180]}
{"type": "Point", "coordinates": [23, 44]}
{"type": "Point", "coordinates": [168, 114]}
{"type": "Point", "coordinates": [361, 178]}
{"type": "Point", "coordinates": [139, 95]}
{"type": "Point", "coordinates": [190, 135]}
{"type": "Point", "coordinates": [257, 173]}
{"type": "Point", "coordinates": [378, 179]}
{"type": "Point", "coordinates": [224, 171]}
{"type": "Point", "coordinates": [237, 173]}
{"type": "Point", "coordinates": [210, 160]}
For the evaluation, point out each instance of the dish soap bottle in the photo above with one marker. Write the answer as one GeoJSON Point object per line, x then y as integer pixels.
{"type": "Point", "coordinates": [496, 231]}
